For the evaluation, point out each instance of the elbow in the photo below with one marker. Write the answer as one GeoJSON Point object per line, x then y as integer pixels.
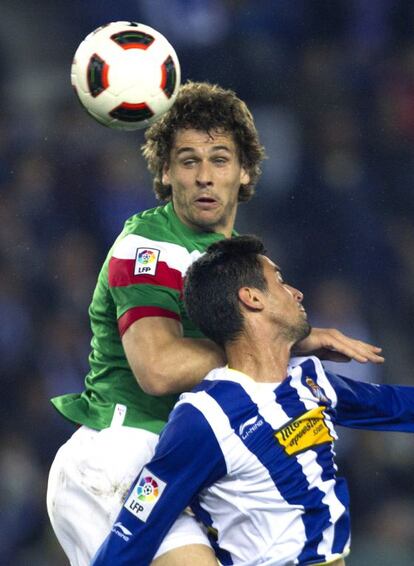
{"type": "Point", "coordinates": [155, 383]}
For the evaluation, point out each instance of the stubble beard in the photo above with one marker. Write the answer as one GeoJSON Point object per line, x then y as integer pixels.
{"type": "Point", "coordinates": [216, 223]}
{"type": "Point", "coordinates": [296, 333]}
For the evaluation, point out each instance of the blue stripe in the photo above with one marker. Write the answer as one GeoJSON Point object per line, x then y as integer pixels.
{"type": "Point", "coordinates": [285, 471]}
{"type": "Point", "coordinates": [289, 399]}
{"type": "Point", "coordinates": [343, 525]}
{"type": "Point", "coordinates": [325, 458]}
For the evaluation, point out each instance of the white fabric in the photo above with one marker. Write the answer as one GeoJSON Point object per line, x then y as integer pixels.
{"type": "Point", "coordinates": [88, 482]}
{"type": "Point", "coordinates": [176, 256]}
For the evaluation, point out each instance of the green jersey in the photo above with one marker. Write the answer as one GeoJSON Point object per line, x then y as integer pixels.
{"type": "Point", "coordinates": [141, 276]}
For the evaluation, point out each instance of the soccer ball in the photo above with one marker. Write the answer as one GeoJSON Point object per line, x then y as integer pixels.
{"type": "Point", "coordinates": [126, 75]}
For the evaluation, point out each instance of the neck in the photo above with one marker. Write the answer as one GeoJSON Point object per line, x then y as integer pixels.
{"type": "Point", "coordinates": [261, 358]}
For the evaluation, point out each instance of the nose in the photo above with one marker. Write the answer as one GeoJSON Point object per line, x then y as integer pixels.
{"type": "Point", "coordinates": [203, 178]}
{"type": "Point", "coordinates": [298, 295]}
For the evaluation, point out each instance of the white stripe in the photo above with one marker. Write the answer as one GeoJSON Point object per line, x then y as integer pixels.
{"type": "Point", "coordinates": [304, 394]}
{"type": "Point", "coordinates": [176, 256]}
{"type": "Point", "coordinates": [324, 382]}
{"type": "Point", "coordinates": [219, 424]}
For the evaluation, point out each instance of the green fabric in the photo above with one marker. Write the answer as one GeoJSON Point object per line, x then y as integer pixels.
{"type": "Point", "coordinates": [110, 380]}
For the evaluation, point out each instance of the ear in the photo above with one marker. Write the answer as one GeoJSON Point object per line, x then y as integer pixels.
{"type": "Point", "coordinates": [244, 177]}
{"type": "Point", "coordinates": [251, 298]}
{"type": "Point", "coordinates": [166, 174]}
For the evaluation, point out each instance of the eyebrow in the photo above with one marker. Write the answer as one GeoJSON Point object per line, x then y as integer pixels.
{"type": "Point", "coordinates": [190, 149]}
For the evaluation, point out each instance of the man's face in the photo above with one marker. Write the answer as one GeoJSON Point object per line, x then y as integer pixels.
{"type": "Point", "coordinates": [205, 174]}
{"type": "Point", "coordinates": [284, 303]}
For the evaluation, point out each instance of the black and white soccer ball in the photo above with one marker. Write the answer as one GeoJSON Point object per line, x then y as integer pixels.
{"type": "Point", "coordinates": [126, 75]}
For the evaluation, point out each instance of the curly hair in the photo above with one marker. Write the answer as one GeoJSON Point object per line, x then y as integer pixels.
{"type": "Point", "coordinates": [205, 107]}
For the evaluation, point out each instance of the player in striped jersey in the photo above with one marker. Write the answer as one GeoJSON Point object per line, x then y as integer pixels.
{"type": "Point", "coordinates": [252, 446]}
{"type": "Point", "coordinates": [205, 157]}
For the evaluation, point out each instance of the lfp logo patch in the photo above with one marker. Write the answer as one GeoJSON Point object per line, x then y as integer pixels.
{"type": "Point", "coordinates": [146, 261]}
{"type": "Point", "coordinates": [145, 494]}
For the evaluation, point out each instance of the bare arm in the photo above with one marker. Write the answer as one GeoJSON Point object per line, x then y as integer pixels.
{"type": "Point", "coordinates": [165, 362]}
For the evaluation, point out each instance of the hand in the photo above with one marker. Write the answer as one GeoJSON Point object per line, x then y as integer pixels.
{"type": "Point", "coordinates": [330, 344]}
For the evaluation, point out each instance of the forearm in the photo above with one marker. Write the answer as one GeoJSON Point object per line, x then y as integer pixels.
{"type": "Point", "coordinates": [373, 407]}
{"type": "Point", "coordinates": [164, 361]}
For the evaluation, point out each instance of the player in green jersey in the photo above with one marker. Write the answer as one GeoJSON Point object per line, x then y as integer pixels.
{"type": "Point", "coordinates": [205, 157]}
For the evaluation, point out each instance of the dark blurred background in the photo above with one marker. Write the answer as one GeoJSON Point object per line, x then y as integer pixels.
{"type": "Point", "coordinates": [331, 86]}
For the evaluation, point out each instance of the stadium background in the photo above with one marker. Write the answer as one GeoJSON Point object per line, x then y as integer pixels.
{"type": "Point", "coordinates": [331, 85]}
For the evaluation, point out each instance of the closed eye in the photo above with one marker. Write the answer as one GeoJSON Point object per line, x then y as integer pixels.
{"type": "Point", "coordinates": [220, 160]}
{"type": "Point", "coordinates": [189, 162]}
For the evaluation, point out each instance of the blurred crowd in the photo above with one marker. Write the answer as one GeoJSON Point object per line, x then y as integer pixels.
{"type": "Point", "coordinates": [331, 86]}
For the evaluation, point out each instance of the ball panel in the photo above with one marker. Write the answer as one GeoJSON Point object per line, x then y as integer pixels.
{"type": "Point", "coordinates": [133, 39]}
{"type": "Point", "coordinates": [97, 73]}
{"type": "Point", "coordinates": [127, 112]}
{"type": "Point", "coordinates": [169, 77]}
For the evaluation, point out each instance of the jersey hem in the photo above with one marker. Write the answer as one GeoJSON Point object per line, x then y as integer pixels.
{"type": "Point", "coordinates": [77, 410]}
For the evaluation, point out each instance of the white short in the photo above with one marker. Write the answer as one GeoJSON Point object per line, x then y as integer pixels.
{"type": "Point", "coordinates": [88, 481]}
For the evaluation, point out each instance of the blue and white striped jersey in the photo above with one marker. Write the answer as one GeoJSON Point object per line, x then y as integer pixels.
{"type": "Point", "coordinates": [256, 463]}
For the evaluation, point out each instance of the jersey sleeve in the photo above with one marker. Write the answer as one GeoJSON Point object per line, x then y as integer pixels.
{"type": "Point", "coordinates": [373, 407]}
{"type": "Point", "coordinates": [145, 279]}
{"type": "Point", "coordinates": [187, 459]}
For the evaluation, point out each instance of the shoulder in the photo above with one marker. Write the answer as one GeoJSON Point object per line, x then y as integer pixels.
{"type": "Point", "coordinates": [222, 399]}
{"type": "Point", "coordinates": [308, 374]}
{"type": "Point", "coordinates": [306, 364]}
{"type": "Point", "coordinates": [147, 240]}
{"type": "Point", "coordinates": [299, 360]}
{"type": "Point", "coordinates": [188, 428]}
{"type": "Point", "coordinates": [205, 396]}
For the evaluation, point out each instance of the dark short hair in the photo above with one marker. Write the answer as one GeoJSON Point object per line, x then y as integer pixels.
{"type": "Point", "coordinates": [212, 283]}
{"type": "Point", "coordinates": [205, 107]}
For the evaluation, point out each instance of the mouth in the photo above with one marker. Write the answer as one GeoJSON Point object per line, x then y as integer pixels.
{"type": "Point", "coordinates": [206, 203]}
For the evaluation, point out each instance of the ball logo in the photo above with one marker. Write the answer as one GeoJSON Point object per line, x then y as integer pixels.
{"type": "Point", "coordinates": [146, 256]}
{"type": "Point", "coordinates": [146, 261]}
{"type": "Point", "coordinates": [147, 489]}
